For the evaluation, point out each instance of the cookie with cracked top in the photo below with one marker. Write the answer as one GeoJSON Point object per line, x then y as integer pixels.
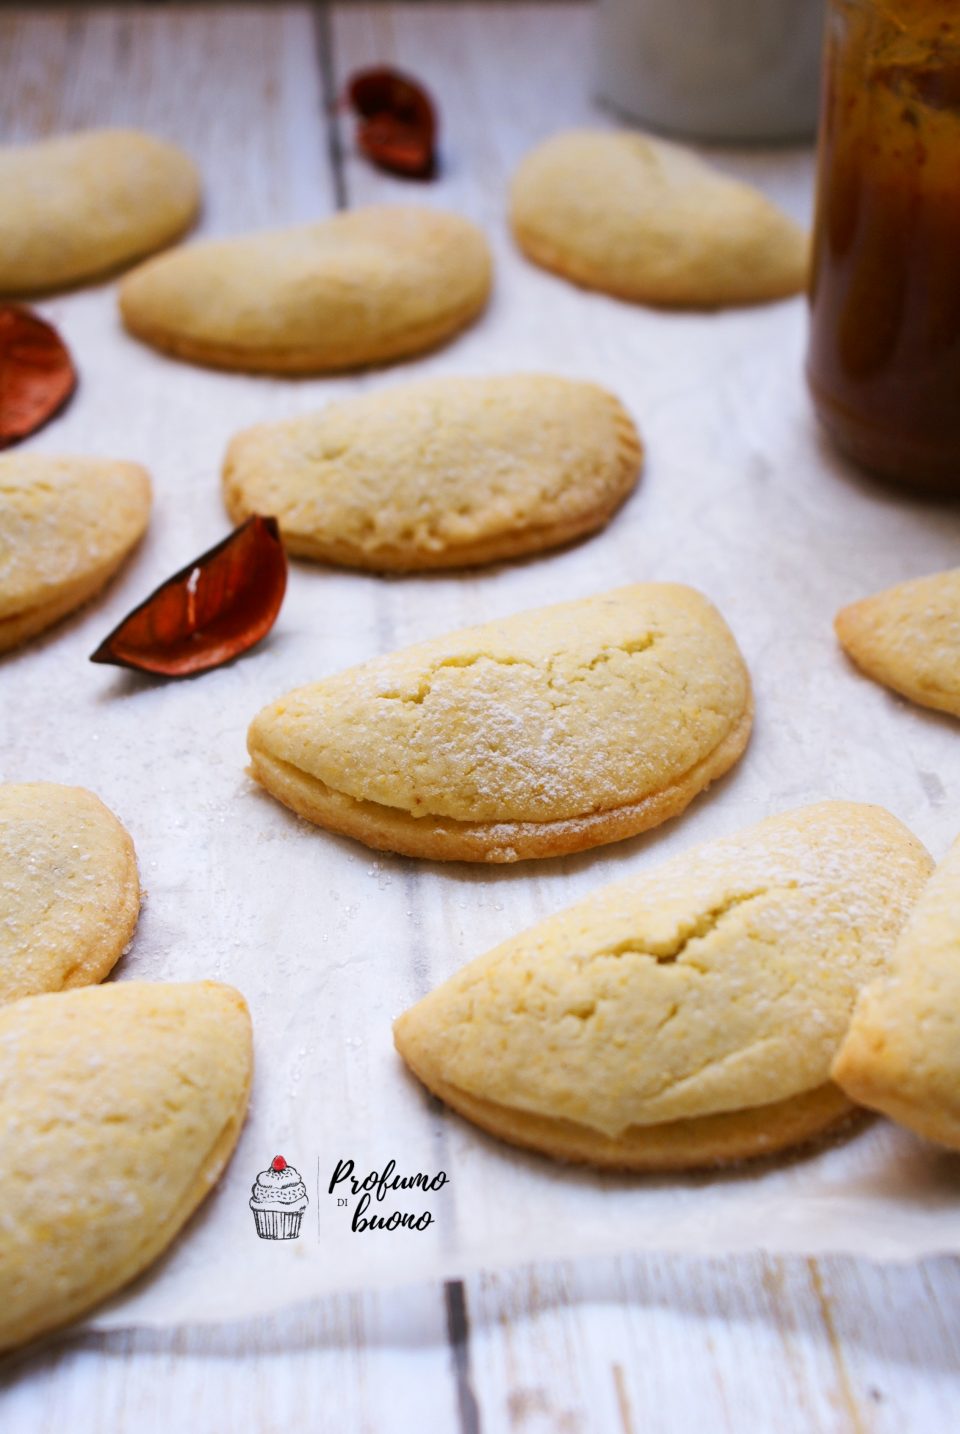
{"type": "Point", "coordinates": [687, 1016]}
{"type": "Point", "coordinates": [544, 733]}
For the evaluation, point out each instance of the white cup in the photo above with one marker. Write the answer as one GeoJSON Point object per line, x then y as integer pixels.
{"type": "Point", "coordinates": [713, 69]}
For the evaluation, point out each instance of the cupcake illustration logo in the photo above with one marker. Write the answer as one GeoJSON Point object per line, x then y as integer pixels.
{"type": "Point", "coordinates": [278, 1201]}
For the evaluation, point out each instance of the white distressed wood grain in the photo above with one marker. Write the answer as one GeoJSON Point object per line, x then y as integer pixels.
{"type": "Point", "coordinates": [653, 1346]}
{"type": "Point", "coordinates": [358, 1362]}
{"type": "Point", "coordinates": [744, 1345]}
{"type": "Point", "coordinates": [237, 85]}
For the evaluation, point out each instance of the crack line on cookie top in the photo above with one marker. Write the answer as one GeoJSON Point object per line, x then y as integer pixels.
{"type": "Point", "coordinates": [697, 928]}
{"type": "Point", "coordinates": [423, 691]}
{"type": "Point", "coordinates": [630, 647]}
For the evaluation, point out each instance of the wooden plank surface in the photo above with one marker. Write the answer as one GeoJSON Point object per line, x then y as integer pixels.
{"type": "Point", "coordinates": [237, 85]}
{"type": "Point", "coordinates": [748, 1344]}
{"type": "Point", "coordinates": [662, 1346]}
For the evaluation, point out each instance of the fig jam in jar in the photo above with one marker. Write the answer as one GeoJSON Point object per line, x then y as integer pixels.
{"type": "Point", "coordinates": [884, 357]}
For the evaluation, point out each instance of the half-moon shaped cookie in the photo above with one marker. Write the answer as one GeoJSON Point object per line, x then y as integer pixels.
{"type": "Point", "coordinates": [688, 1015]}
{"type": "Point", "coordinates": [66, 526]}
{"type": "Point", "coordinates": [902, 1051]}
{"type": "Point", "coordinates": [77, 206]}
{"type": "Point", "coordinates": [545, 733]}
{"type": "Point", "coordinates": [69, 889]}
{"type": "Point", "coordinates": [908, 638]}
{"type": "Point", "coordinates": [120, 1106]}
{"type": "Point", "coordinates": [363, 287]}
{"type": "Point", "coordinates": [648, 220]}
{"type": "Point", "coordinates": [442, 473]}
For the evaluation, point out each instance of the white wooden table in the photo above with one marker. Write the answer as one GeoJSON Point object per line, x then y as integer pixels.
{"type": "Point", "coordinates": [746, 1344]}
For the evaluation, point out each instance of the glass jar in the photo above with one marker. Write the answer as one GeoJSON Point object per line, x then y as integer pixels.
{"type": "Point", "coordinates": [884, 356]}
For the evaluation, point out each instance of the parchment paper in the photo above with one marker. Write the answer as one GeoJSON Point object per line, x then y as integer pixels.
{"type": "Point", "coordinates": [328, 941]}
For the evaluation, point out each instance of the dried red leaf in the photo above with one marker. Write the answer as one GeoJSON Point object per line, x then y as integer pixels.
{"type": "Point", "coordinates": [209, 612]}
{"type": "Point", "coordinates": [398, 121]}
{"type": "Point", "coordinates": [37, 375]}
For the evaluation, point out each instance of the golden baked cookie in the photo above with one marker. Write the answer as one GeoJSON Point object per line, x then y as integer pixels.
{"type": "Point", "coordinates": [77, 206]}
{"type": "Point", "coordinates": [902, 1051]}
{"type": "Point", "coordinates": [648, 220]}
{"type": "Point", "coordinates": [120, 1106]}
{"type": "Point", "coordinates": [442, 473]}
{"type": "Point", "coordinates": [66, 526]}
{"type": "Point", "coordinates": [69, 890]}
{"type": "Point", "coordinates": [908, 638]}
{"type": "Point", "coordinates": [688, 1015]}
{"type": "Point", "coordinates": [359, 288]}
{"type": "Point", "coordinates": [544, 733]}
